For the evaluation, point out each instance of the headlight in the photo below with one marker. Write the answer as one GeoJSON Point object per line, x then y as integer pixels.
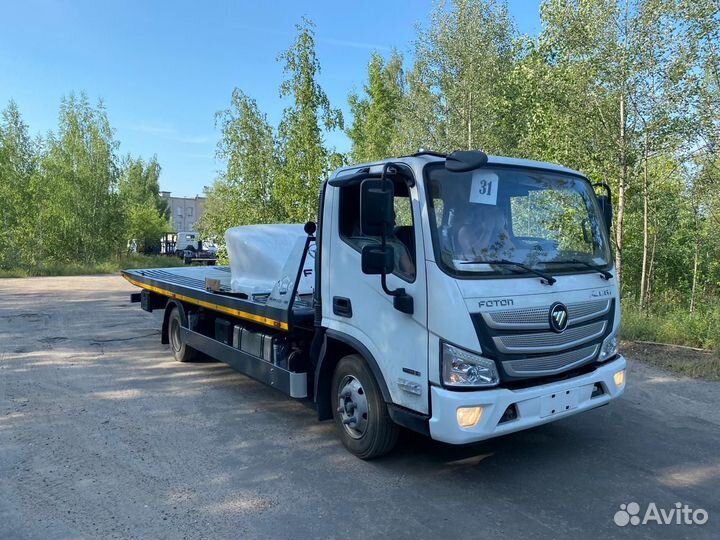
{"type": "Point", "coordinates": [465, 369]}
{"type": "Point", "coordinates": [609, 347]}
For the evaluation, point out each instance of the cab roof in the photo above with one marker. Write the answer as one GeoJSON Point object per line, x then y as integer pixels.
{"type": "Point", "coordinates": [422, 158]}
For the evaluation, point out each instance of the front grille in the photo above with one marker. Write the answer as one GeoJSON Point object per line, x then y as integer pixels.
{"type": "Point", "coordinates": [550, 365]}
{"type": "Point", "coordinates": [524, 347]}
{"type": "Point", "coordinates": [538, 318]}
{"type": "Point", "coordinates": [544, 342]}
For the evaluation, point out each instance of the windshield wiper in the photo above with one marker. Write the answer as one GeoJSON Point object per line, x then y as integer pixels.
{"type": "Point", "coordinates": [605, 273]}
{"type": "Point", "coordinates": [547, 277]}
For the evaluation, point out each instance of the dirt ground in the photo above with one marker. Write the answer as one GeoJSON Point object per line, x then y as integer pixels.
{"type": "Point", "coordinates": [680, 360]}
{"type": "Point", "coordinates": [104, 435]}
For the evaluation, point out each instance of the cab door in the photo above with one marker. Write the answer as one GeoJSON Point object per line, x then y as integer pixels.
{"type": "Point", "coordinates": [354, 304]}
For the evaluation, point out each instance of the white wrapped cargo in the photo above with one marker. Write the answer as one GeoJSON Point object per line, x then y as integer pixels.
{"type": "Point", "coordinates": [259, 257]}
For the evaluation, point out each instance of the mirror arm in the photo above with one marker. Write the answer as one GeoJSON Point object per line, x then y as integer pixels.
{"type": "Point", "coordinates": [388, 291]}
{"type": "Point", "coordinates": [402, 301]}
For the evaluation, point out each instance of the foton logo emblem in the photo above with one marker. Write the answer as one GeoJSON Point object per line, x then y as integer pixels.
{"type": "Point", "coordinates": [502, 302]}
{"type": "Point", "coordinates": [558, 317]}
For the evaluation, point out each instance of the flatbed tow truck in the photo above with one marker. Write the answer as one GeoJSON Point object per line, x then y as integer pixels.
{"type": "Point", "coordinates": [462, 296]}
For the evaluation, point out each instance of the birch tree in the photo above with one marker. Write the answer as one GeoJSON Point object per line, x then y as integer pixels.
{"type": "Point", "coordinates": [18, 167]}
{"type": "Point", "coordinates": [376, 112]}
{"type": "Point", "coordinates": [304, 160]}
{"type": "Point", "coordinates": [243, 193]}
{"type": "Point", "coordinates": [81, 213]}
{"type": "Point", "coordinates": [462, 77]}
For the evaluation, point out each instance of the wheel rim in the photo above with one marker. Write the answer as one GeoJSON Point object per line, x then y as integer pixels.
{"type": "Point", "coordinates": [353, 407]}
{"type": "Point", "coordinates": [175, 339]}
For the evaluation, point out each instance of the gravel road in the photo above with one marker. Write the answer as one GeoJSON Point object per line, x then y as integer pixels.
{"type": "Point", "coordinates": [104, 435]}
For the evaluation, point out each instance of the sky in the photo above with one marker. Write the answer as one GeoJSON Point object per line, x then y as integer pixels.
{"type": "Point", "coordinates": [163, 69]}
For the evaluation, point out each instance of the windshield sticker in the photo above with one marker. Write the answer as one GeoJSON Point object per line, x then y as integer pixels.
{"type": "Point", "coordinates": [484, 188]}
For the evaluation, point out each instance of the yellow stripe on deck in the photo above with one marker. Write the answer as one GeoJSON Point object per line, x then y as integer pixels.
{"type": "Point", "coordinates": [215, 307]}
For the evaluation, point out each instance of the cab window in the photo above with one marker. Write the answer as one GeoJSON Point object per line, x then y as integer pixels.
{"type": "Point", "coordinates": [403, 238]}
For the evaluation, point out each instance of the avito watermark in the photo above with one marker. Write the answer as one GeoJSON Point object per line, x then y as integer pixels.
{"type": "Point", "coordinates": [680, 514]}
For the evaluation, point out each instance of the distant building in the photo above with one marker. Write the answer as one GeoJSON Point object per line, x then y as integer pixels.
{"type": "Point", "coordinates": [184, 211]}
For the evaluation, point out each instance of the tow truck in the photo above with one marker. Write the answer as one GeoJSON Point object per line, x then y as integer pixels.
{"type": "Point", "coordinates": [191, 249]}
{"type": "Point", "coordinates": [462, 296]}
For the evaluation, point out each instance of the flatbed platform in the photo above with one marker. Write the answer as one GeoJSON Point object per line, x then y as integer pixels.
{"type": "Point", "coordinates": [188, 285]}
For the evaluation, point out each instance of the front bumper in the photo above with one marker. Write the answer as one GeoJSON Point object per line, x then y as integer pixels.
{"type": "Point", "coordinates": [535, 405]}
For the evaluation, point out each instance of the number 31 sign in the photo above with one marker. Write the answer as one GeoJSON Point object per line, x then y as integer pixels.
{"type": "Point", "coordinates": [484, 188]}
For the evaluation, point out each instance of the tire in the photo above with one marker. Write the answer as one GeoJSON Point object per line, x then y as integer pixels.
{"type": "Point", "coordinates": [181, 351]}
{"type": "Point", "coordinates": [356, 394]}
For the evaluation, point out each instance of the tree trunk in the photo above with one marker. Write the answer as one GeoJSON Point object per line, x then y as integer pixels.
{"type": "Point", "coordinates": [648, 292]}
{"type": "Point", "coordinates": [695, 272]}
{"type": "Point", "coordinates": [646, 234]}
{"type": "Point", "coordinates": [622, 183]}
{"type": "Point", "coordinates": [696, 256]}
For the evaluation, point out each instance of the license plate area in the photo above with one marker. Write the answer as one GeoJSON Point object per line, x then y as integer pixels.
{"type": "Point", "coordinates": [558, 402]}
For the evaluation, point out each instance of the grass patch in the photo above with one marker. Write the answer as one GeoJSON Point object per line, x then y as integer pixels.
{"type": "Point", "coordinates": [700, 365]}
{"type": "Point", "coordinates": [676, 327]}
{"type": "Point", "coordinates": [111, 266]}
{"type": "Point", "coordinates": [672, 330]}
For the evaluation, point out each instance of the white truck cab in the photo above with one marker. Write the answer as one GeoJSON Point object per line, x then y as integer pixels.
{"type": "Point", "coordinates": [463, 296]}
{"type": "Point", "coordinates": [507, 266]}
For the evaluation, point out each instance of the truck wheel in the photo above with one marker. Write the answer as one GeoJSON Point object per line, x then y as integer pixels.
{"type": "Point", "coordinates": [359, 411]}
{"type": "Point", "coordinates": [182, 352]}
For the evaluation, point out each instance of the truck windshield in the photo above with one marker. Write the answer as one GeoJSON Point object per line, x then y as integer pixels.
{"type": "Point", "coordinates": [544, 220]}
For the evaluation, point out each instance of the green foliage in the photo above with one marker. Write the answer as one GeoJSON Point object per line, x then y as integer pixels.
{"type": "Point", "coordinates": [145, 226]}
{"type": "Point", "coordinates": [145, 213]}
{"type": "Point", "coordinates": [78, 205]}
{"type": "Point", "coordinates": [18, 185]}
{"type": "Point", "coordinates": [274, 176]}
{"type": "Point", "coordinates": [140, 183]}
{"type": "Point", "coordinates": [677, 326]}
{"type": "Point", "coordinates": [303, 159]}
{"type": "Point", "coordinates": [461, 88]}
{"type": "Point", "coordinates": [67, 199]}
{"type": "Point", "coordinates": [243, 193]}
{"type": "Point", "coordinates": [376, 116]}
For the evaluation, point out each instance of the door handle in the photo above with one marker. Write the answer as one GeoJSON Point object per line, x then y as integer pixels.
{"type": "Point", "coordinates": [342, 306]}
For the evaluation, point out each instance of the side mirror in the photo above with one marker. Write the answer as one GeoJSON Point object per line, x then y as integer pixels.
{"type": "Point", "coordinates": [310, 228]}
{"type": "Point", "coordinates": [605, 202]}
{"type": "Point", "coordinates": [377, 260]}
{"type": "Point", "coordinates": [376, 207]}
{"type": "Point", "coordinates": [607, 210]}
